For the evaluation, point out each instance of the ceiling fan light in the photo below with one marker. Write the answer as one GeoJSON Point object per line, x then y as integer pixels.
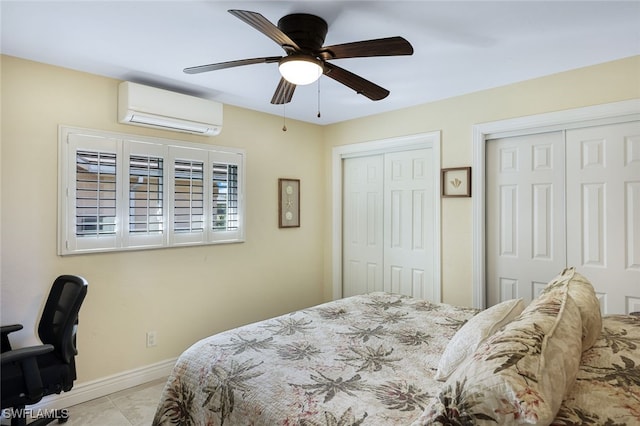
{"type": "Point", "coordinates": [300, 70]}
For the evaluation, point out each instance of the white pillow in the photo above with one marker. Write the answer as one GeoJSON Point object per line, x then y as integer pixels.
{"type": "Point", "coordinates": [465, 342]}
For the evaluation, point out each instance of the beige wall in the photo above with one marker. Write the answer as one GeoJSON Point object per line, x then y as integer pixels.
{"type": "Point", "coordinates": [182, 293]}
{"type": "Point", "coordinates": [188, 293]}
{"type": "Point", "coordinates": [609, 82]}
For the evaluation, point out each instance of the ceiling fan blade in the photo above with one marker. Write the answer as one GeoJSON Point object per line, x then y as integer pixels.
{"type": "Point", "coordinates": [222, 65]}
{"type": "Point", "coordinates": [267, 28]}
{"type": "Point", "coordinates": [355, 82]}
{"type": "Point", "coordinates": [390, 46]}
{"type": "Point", "coordinates": [283, 93]}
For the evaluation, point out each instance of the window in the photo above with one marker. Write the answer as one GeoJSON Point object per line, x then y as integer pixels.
{"type": "Point", "coordinates": [224, 193]}
{"type": "Point", "coordinates": [146, 194]}
{"type": "Point", "coordinates": [188, 195]}
{"type": "Point", "coordinates": [95, 198]}
{"type": "Point", "coordinates": [120, 192]}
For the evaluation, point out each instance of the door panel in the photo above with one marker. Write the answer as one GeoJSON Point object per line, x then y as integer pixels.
{"type": "Point", "coordinates": [603, 211]}
{"type": "Point", "coordinates": [362, 249]}
{"type": "Point", "coordinates": [525, 231]}
{"type": "Point", "coordinates": [409, 212]}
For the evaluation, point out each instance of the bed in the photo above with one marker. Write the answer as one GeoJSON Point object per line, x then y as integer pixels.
{"type": "Point", "coordinates": [388, 359]}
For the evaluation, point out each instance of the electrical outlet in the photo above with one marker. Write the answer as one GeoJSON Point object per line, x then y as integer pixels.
{"type": "Point", "coordinates": [151, 339]}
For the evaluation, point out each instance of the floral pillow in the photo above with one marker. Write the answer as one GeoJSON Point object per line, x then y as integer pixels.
{"type": "Point", "coordinates": [475, 331]}
{"type": "Point", "coordinates": [519, 375]}
{"type": "Point", "coordinates": [581, 290]}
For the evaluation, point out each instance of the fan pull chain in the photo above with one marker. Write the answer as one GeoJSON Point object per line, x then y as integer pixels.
{"type": "Point", "coordinates": [284, 117]}
{"type": "Point", "coordinates": [319, 115]}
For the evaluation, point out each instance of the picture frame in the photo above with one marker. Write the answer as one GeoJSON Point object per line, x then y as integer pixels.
{"type": "Point", "coordinates": [456, 182]}
{"type": "Point", "coordinates": [288, 203]}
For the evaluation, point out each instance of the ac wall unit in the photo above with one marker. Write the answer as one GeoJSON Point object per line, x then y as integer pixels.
{"type": "Point", "coordinates": [151, 107]}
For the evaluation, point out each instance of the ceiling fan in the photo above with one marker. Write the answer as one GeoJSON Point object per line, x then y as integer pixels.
{"type": "Point", "coordinates": [302, 36]}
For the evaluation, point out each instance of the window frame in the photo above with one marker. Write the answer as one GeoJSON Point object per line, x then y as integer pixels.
{"type": "Point", "coordinates": [73, 139]}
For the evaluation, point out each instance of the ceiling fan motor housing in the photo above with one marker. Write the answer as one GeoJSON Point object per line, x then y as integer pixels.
{"type": "Point", "coordinates": [308, 31]}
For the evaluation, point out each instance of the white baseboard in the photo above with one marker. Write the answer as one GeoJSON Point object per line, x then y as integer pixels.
{"type": "Point", "coordinates": [83, 392]}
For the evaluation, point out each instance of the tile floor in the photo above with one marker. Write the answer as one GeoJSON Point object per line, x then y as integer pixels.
{"type": "Point", "coordinates": [135, 406]}
{"type": "Point", "coordinates": [130, 407]}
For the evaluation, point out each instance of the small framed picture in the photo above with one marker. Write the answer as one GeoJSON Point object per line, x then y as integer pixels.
{"type": "Point", "coordinates": [288, 203]}
{"type": "Point", "coordinates": [456, 182]}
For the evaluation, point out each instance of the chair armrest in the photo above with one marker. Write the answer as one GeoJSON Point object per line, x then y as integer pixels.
{"type": "Point", "coordinates": [5, 330]}
{"type": "Point", "coordinates": [27, 358]}
{"type": "Point", "coordinates": [18, 355]}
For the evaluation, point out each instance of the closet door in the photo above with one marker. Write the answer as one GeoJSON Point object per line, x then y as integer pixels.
{"type": "Point", "coordinates": [539, 223]}
{"type": "Point", "coordinates": [603, 211]}
{"type": "Point", "coordinates": [409, 215]}
{"type": "Point", "coordinates": [362, 239]}
{"type": "Point", "coordinates": [525, 230]}
{"type": "Point", "coordinates": [388, 220]}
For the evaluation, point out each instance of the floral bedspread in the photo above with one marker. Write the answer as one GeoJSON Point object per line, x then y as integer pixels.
{"type": "Point", "coordinates": [368, 360]}
{"type": "Point", "coordinates": [607, 388]}
{"type": "Point", "coordinates": [363, 360]}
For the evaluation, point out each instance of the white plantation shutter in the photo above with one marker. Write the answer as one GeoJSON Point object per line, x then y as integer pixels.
{"type": "Point", "coordinates": [188, 195]}
{"type": "Point", "coordinates": [95, 193]}
{"type": "Point", "coordinates": [188, 201]}
{"type": "Point", "coordinates": [146, 215]}
{"type": "Point", "coordinates": [121, 193]}
{"type": "Point", "coordinates": [90, 218]}
{"type": "Point", "coordinates": [146, 182]}
{"type": "Point", "coordinates": [226, 197]}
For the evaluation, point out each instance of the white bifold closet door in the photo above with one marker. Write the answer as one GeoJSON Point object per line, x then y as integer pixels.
{"type": "Point", "coordinates": [566, 198]}
{"type": "Point", "coordinates": [388, 213]}
{"type": "Point", "coordinates": [603, 212]}
{"type": "Point", "coordinates": [525, 234]}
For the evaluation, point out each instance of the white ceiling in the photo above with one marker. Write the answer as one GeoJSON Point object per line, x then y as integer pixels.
{"type": "Point", "coordinates": [460, 47]}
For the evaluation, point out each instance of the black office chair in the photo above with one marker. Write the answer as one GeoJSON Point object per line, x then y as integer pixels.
{"type": "Point", "coordinates": [30, 373]}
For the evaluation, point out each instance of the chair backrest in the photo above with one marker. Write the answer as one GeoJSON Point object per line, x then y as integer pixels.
{"type": "Point", "coordinates": [60, 316]}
